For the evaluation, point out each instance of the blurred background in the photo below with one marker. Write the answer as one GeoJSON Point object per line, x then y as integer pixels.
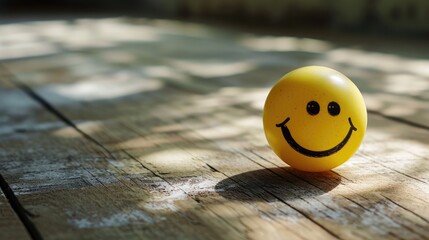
{"type": "Point", "coordinates": [382, 16]}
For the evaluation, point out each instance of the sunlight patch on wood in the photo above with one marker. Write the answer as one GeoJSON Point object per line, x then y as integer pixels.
{"type": "Point", "coordinates": [175, 160]}
{"type": "Point", "coordinates": [40, 38]}
{"type": "Point", "coordinates": [147, 142]}
{"type": "Point", "coordinates": [254, 96]}
{"type": "Point", "coordinates": [219, 132]}
{"type": "Point", "coordinates": [31, 49]}
{"type": "Point", "coordinates": [161, 71]}
{"type": "Point", "coordinates": [400, 83]}
{"type": "Point", "coordinates": [398, 106]}
{"type": "Point", "coordinates": [284, 44]}
{"type": "Point", "coordinates": [118, 85]}
{"type": "Point", "coordinates": [87, 127]}
{"type": "Point", "coordinates": [388, 63]}
{"type": "Point", "coordinates": [212, 69]}
{"type": "Point", "coordinates": [364, 59]}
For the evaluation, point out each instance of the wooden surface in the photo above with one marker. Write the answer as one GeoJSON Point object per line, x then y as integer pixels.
{"type": "Point", "coordinates": [11, 227]}
{"type": "Point", "coordinates": [151, 129]}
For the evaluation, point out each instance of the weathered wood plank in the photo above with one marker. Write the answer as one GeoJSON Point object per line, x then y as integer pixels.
{"type": "Point", "coordinates": [10, 225]}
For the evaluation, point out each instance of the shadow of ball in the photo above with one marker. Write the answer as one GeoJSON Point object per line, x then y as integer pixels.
{"type": "Point", "coordinates": [277, 184]}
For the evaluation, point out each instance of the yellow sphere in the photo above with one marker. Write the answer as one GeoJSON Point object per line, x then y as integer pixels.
{"type": "Point", "coordinates": [314, 118]}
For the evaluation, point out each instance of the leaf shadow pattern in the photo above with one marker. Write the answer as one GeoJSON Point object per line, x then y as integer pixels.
{"type": "Point", "coordinates": [273, 184]}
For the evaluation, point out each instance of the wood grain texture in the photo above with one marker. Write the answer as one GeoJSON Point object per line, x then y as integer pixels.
{"type": "Point", "coordinates": [10, 225]}
{"type": "Point", "coordinates": [119, 142]}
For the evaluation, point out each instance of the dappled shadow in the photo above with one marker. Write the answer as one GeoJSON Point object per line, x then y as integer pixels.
{"type": "Point", "coordinates": [274, 184]}
{"type": "Point", "coordinates": [145, 54]}
{"type": "Point", "coordinates": [171, 84]}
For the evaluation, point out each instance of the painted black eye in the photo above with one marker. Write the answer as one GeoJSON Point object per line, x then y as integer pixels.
{"type": "Point", "coordinates": [334, 109]}
{"type": "Point", "coordinates": [313, 108]}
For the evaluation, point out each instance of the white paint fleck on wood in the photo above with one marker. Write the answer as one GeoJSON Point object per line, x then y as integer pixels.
{"type": "Point", "coordinates": [115, 220]}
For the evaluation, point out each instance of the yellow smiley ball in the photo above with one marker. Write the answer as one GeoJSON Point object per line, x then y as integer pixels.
{"type": "Point", "coordinates": [314, 118]}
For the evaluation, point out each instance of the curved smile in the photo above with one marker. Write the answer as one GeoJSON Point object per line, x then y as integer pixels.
{"type": "Point", "coordinates": [317, 154]}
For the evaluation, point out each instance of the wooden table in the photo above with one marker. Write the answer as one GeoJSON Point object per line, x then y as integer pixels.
{"type": "Point", "coordinates": [119, 128]}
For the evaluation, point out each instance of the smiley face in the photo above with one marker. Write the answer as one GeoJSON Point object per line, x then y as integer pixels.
{"type": "Point", "coordinates": [314, 118]}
